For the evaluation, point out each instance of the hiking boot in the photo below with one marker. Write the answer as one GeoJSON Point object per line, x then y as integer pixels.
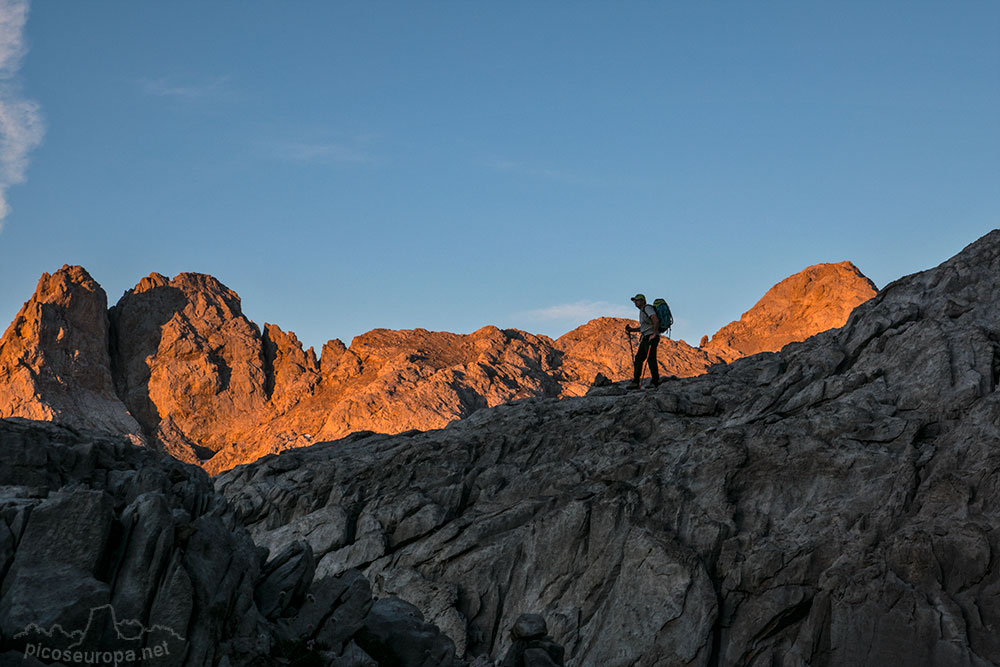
{"type": "Point", "coordinates": [633, 385]}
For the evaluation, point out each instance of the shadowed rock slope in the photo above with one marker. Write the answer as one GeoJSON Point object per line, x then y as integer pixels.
{"type": "Point", "coordinates": [107, 549]}
{"type": "Point", "coordinates": [177, 364]}
{"type": "Point", "coordinates": [831, 504]}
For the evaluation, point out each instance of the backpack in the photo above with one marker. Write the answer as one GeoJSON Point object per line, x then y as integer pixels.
{"type": "Point", "coordinates": [664, 314]}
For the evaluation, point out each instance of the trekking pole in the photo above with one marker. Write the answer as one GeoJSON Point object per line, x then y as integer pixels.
{"type": "Point", "coordinates": [632, 350]}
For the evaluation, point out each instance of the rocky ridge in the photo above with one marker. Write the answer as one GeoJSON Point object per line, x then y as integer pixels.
{"type": "Point", "coordinates": [830, 504]}
{"type": "Point", "coordinates": [175, 363]}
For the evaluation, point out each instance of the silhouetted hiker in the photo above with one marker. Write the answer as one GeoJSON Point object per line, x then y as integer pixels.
{"type": "Point", "coordinates": [649, 338]}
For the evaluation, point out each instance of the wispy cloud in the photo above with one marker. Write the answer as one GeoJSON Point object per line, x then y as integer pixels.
{"type": "Point", "coordinates": [21, 127]}
{"type": "Point", "coordinates": [305, 151]}
{"type": "Point", "coordinates": [533, 171]}
{"type": "Point", "coordinates": [582, 311]}
{"type": "Point", "coordinates": [191, 92]}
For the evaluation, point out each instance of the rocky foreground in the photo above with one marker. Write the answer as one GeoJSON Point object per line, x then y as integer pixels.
{"type": "Point", "coordinates": [176, 364]}
{"type": "Point", "coordinates": [113, 554]}
{"type": "Point", "coordinates": [831, 504]}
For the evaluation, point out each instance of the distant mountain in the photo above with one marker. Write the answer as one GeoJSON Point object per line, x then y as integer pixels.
{"type": "Point", "coordinates": [54, 362]}
{"type": "Point", "coordinates": [176, 364]}
{"type": "Point", "coordinates": [816, 299]}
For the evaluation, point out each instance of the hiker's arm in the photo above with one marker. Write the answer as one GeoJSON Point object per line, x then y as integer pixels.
{"type": "Point", "coordinates": [656, 327]}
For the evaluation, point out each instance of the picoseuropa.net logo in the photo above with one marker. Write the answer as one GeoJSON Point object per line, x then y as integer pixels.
{"type": "Point", "coordinates": [104, 641]}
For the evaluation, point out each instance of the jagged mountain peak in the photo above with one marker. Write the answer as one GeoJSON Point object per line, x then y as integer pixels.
{"type": "Point", "coordinates": [198, 291]}
{"type": "Point", "coordinates": [54, 362]}
{"type": "Point", "coordinates": [68, 275]}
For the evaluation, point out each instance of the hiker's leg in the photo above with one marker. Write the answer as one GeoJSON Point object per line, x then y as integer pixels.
{"type": "Point", "coordinates": [654, 366]}
{"type": "Point", "coordinates": [640, 359]}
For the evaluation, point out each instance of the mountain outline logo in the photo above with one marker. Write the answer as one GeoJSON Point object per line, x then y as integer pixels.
{"type": "Point", "coordinates": [105, 640]}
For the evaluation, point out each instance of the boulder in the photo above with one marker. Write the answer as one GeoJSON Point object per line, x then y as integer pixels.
{"type": "Point", "coordinates": [532, 646]}
{"type": "Point", "coordinates": [396, 635]}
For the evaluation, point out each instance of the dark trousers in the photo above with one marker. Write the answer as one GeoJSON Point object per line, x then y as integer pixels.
{"type": "Point", "coordinates": [647, 352]}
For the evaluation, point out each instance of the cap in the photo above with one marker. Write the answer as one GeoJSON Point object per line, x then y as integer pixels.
{"type": "Point", "coordinates": [639, 297]}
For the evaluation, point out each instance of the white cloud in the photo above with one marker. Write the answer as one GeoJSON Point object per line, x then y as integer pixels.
{"type": "Point", "coordinates": [186, 91]}
{"type": "Point", "coordinates": [532, 171]}
{"type": "Point", "coordinates": [21, 127]}
{"type": "Point", "coordinates": [581, 311]}
{"type": "Point", "coordinates": [303, 151]}
{"type": "Point", "coordinates": [13, 15]}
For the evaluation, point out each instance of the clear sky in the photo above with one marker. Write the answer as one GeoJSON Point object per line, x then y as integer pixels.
{"type": "Point", "coordinates": [351, 165]}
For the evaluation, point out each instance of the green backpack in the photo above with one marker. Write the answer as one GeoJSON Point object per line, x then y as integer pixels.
{"type": "Point", "coordinates": [664, 314]}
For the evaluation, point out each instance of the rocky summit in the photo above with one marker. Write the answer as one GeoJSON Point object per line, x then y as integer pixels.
{"type": "Point", "coordinates": [177, 365]}
{"type": "Point", "coordinates": [829, 504]}
{"type": "Point", "coordinates": [54, 362]}
{"type": "Point", "coordinates": [819, 298]}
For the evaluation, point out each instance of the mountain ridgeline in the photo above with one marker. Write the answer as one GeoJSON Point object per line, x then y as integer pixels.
{"type": "Point", "coordinates": [831, 504]}
{"type": "Point", "coordinates": [177, 365]}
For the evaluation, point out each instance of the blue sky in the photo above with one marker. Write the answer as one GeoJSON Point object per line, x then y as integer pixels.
{"type": "Point", "coordinates": [351, 165]}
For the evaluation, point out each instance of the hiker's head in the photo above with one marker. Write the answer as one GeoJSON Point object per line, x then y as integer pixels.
{"type": "Point", "coordinates": [639, 300]}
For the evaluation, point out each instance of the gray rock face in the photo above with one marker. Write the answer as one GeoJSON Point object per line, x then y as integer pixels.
{"type": "Point", "coordinates": [396, 635]}
{"type": "Point", "coordinates": [106, 533]}
{"type": "Point", "coordinates": [831, 504]}
{"type": "Point", "coordinates": [532, 646]}
{"type": "Point", "coordinates": [106, 548]}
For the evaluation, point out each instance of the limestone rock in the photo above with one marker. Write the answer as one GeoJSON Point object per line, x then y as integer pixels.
{"type": "Point", "coordinates": [188, 363]}
{"type": "Point", "coordinates": [396, 635]}
{"type": "Point", "coordinates": [110, 548]}
{"type": "Point", "coordinates": [54, 361]}
{"type": "Point", "coordinates": [816, 299]}
{"type": "Point", "coordinates": [113, 534]}
{"type": "Point", "coordinates": [529, 626]}
{"type": "Point", "coordinates": [291, 373]}
{"type": "Point", "coordinates": [828, 504]}
{"type": "Point", "coordinates": [285, 579]}
{"type": "Point", "coordinates": [532, 645]}
{"type": "Point", "coordinates": [199, 380]}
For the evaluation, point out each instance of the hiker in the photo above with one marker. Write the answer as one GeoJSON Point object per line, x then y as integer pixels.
{"type": "Point", "coordinates": [649, 334]}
